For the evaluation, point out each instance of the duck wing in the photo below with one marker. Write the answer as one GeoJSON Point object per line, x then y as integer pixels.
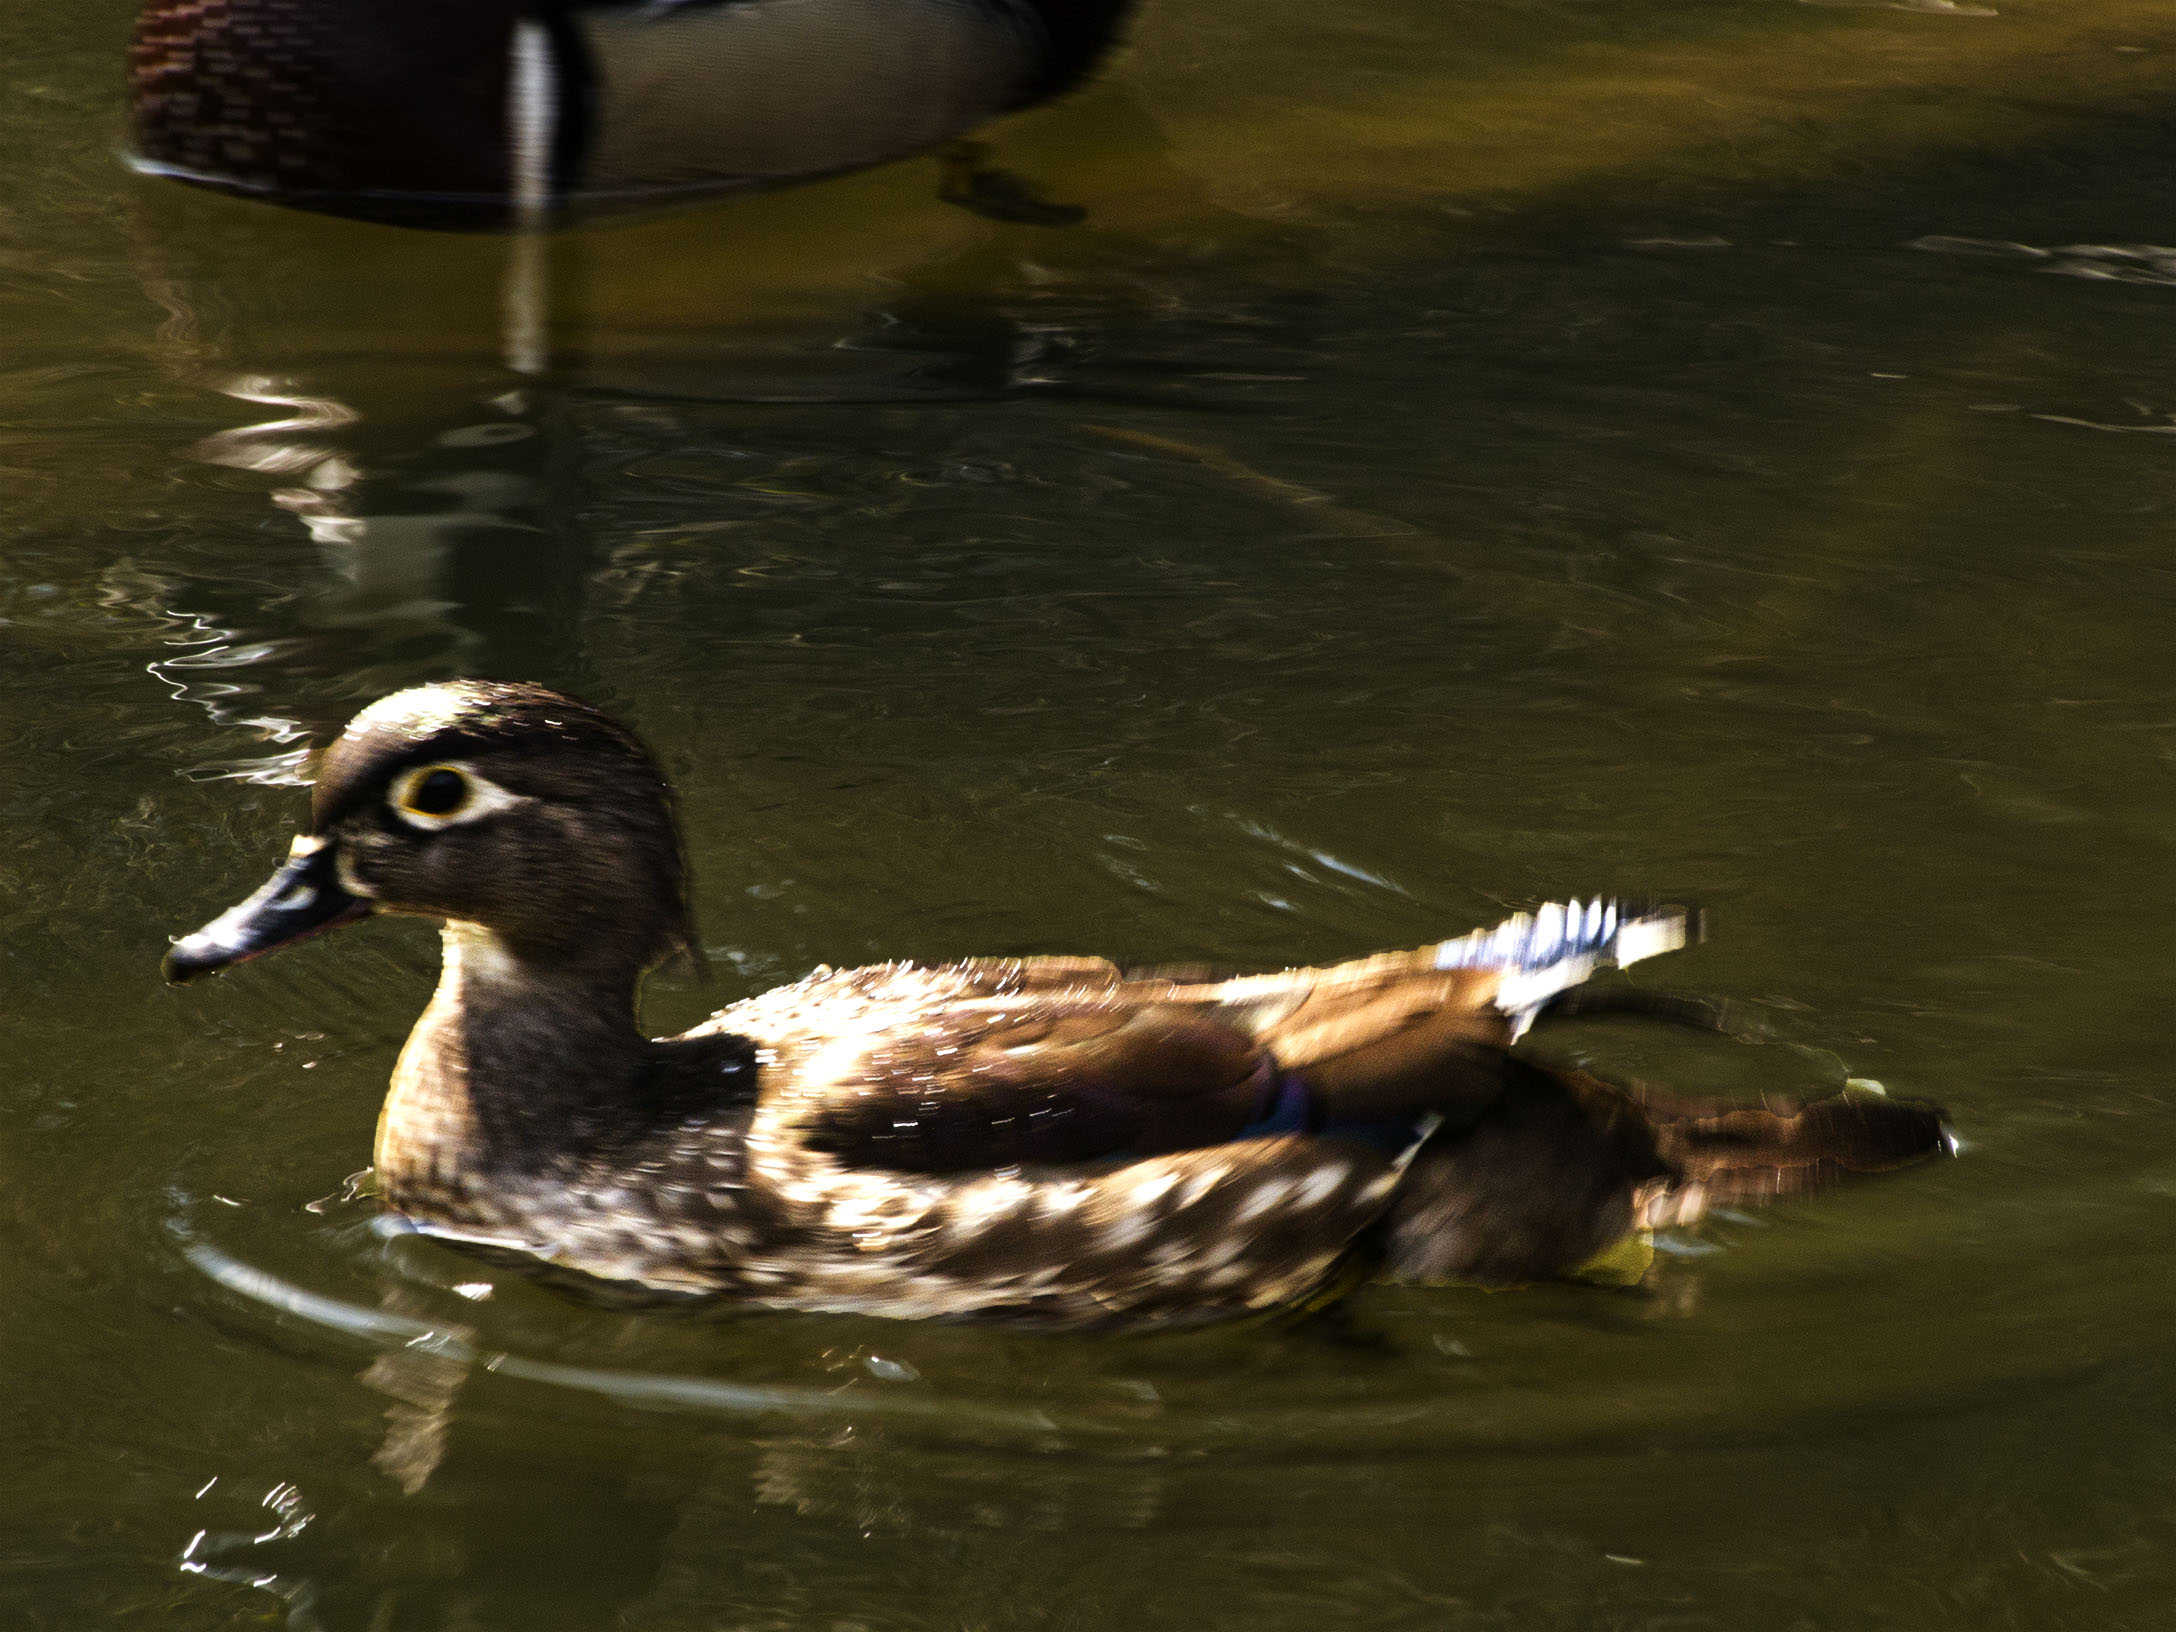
{"type": "Point", "coordinates": [1022, 1062]}
{"type": "Point", "coordinates": [993, 1063]}
{"type": "Point", "coordinates": [925, 1143]}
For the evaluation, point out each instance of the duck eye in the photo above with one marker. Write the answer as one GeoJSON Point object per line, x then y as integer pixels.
{"type": "Point", "coordinates": [440, 791]}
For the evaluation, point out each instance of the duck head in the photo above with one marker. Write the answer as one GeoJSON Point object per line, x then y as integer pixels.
{"type": "Point", "coordinates": [510, 808]}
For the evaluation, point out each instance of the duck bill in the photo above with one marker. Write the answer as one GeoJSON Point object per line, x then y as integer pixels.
{"type": "Point", "coordinates": [302, 899]}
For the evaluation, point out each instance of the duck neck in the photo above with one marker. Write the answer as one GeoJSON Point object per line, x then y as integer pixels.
{"type": "Point", "coordinates": [520, 1063]}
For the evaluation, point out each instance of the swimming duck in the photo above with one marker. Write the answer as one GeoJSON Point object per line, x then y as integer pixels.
{"type": "Point", "coordinates": [498, 113]}
{"type": "Point", "coordinates": [1052, 1139]}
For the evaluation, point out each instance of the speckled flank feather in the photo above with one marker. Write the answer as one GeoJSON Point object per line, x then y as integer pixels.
{"type": "Point", "coordinates": [745, 1205]}
{"type": "Point", "coordinates": [1228, 1227]}
{"type": "Point", "coordinates": [1047, 1140]}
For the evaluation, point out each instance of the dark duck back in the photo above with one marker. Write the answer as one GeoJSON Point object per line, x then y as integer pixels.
{"type": "Point", "coordinates": [1052, 1140]}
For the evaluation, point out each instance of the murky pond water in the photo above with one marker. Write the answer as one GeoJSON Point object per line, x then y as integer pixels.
{"type": "Point", "coordinates": [1471, 453]}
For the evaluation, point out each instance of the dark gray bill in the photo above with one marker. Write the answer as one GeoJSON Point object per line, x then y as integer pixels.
{"type": "Point", "coordinates": [301, 899]}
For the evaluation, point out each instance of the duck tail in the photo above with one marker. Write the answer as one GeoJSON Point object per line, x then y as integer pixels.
{"type": "Point", "coordinates": [1732, 1155]}
{"type": "Point", "coordinates": [1543, 954]}
{"type": "Point", "coordinates": [1564, 1166]}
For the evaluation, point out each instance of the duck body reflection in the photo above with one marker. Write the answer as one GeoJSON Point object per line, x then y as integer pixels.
{"type": "Point", "coordinates": [495, 114]}
{"type": "Point", "coordinates": [1045, 1140]}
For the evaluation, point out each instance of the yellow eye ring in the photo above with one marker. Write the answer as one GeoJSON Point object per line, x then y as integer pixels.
{"type": "Point", "coordinates": [431, 796]}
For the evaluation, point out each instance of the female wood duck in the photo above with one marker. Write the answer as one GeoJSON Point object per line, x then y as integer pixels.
{"type": "Point", "coordinates": [1050, 1140]}
{"type": "Point", "coordinates": [498, 113]}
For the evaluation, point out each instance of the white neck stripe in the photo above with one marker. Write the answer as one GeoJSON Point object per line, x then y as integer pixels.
{"type": "Point", "coordinates": [532, 128]}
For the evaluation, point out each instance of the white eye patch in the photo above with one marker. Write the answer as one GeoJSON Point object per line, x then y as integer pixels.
{"type": "Point", "coordinates": [448, 794]}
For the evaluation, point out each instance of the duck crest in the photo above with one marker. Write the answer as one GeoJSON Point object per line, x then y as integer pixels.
{"type": "Point", "coordinates": [1049, 1140]}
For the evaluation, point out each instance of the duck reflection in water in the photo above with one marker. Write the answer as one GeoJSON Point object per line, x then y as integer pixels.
{"type": "Point", "coordinates": [498, 114]}
{"type": "Point", "coordinates": [428, 536]}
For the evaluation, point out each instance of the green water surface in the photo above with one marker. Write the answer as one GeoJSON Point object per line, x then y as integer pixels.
{"type": "Point", "coordinates": [1475, 452]}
